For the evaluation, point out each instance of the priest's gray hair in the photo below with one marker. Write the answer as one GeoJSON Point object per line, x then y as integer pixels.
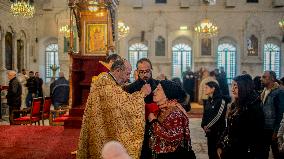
{"type": "Point", "coordinates": [118, 64]}
{"type": "Point", "coordinates": [114, 150]}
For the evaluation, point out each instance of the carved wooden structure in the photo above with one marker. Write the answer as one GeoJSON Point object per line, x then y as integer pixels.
{"type": "Point", "coordinates": [96, 35]}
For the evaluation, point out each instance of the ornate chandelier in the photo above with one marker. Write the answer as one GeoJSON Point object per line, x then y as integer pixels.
{"type": "Point", "coordinates": [22, 8]}
{"type": "Point", "coordinates": [207, 28]}
{"type": "Point", "coordinates": [93, 6]}
{"type": "Point", "coordinates": [96, 5]}
{"type": "Point", "coordinates": [281, 24]}
{"type": "Point", "coordinates": [65, 29]}
{"type": "Point", "coordinates": [122, 29]}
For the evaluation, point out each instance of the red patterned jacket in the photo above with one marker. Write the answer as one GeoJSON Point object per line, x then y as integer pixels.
{"type": "Point", "coordinates": [169, 131]}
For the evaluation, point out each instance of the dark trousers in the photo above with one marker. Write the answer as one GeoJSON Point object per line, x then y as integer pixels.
{"type": "Point", "coordinates": [13, 115]}
{"type": "Point", "coordinates": [146, 152]}
{"type": "Point", "coordinates": [29, 99]}
{"type": "Point", "coordinates": [212, 140]}
{"type": "Point", "coordinates": [268, 142]}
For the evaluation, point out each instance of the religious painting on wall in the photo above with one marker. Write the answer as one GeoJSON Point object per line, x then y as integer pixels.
{"type": "Point", "coordinates": [96, 38]}
{"type": "Point", "coordinates": [160, 46]}
{"type": "Point", "coordinates": [206, 47]}
{"type": "Point", "coordinates": [252, 46]}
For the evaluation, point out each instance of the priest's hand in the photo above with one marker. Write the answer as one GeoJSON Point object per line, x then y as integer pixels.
{"type": "Point", "coordinates": [146, 89]}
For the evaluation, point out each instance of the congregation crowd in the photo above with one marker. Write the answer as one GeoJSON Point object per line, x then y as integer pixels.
{"type": "Point", "coordinates": [148, 118]}
{"type": "Point", "coordinates": [23, 89]}
{"type": "Point", "coordinates": [245, 123]}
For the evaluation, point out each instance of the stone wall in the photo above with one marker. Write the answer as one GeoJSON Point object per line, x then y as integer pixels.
{"type": "Point", "coordinates": [235, 25]}
{"type": "Point", "coordinates": [236, 20]}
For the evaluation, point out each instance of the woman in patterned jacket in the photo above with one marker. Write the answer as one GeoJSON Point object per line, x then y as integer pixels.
{"type": "Point", "coordinates": [169, 131]}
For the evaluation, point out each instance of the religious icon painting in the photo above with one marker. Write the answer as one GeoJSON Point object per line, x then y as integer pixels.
{"type": "Point", "coordinates": [96, 38]}
{"type": "Point", "coordinates": [252, 46]}
{"type": "Point", "coordinates": [206, 47]}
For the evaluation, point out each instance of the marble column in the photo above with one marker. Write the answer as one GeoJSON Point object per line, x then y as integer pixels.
{"type": "Point", "coordinates": [3, 78]}
{"type": "Point", "coordinates": [15, 52]}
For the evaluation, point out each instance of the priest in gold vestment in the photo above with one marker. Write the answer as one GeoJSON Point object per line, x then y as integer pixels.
{"type": "Point", "coordinates": [113, 114]}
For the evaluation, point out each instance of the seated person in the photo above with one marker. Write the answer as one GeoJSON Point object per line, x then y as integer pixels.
{"type": "Point", "coordinates": [59, 91]}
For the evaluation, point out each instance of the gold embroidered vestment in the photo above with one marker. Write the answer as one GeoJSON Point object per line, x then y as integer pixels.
{"type": "Point", "coordinates": [111, 114]}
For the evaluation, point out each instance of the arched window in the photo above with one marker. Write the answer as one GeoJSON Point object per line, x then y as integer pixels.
{"type": "Point", "coordinates": [227, 59]}
{"type": "Point", "coordinates": [271, 60]}
{"type": "Point", "coordinates": [51, 58]}
{"type": "Point", "coordinates": [135, 52]}
{"type": "Point", "coordinates": [181, 59]}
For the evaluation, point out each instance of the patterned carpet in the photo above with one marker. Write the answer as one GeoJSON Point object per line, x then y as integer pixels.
{"type": "Point", "coordinates": [37, 142]}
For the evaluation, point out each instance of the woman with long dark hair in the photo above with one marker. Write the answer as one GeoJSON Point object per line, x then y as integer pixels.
{"type": "Point", "coordinates": [213, 120]}
{"type": "Point", "coordinates": [243, 135]}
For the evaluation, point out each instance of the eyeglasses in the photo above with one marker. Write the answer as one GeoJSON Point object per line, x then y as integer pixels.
{"type": "Point", "coordinates": [144, 71]}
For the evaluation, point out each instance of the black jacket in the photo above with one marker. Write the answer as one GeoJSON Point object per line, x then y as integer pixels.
{"type": "Point", "coordinates": [39, 82]}
{"type": "Point", "coordinates": [214, 115]}
{"type": "Point", "coordinates": [14, 93]}
{"type": "Point", "coordinates": [32, 85]}
{"type": "Point", "coordinates": [243, 136]}
{"type": "Point", "coordinates": [138, 84]}
{"type": "Point", "coordinates": [59, 91]}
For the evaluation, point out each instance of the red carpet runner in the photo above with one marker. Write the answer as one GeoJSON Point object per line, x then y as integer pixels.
{"type": "Point", "coordinates": [37, 142]}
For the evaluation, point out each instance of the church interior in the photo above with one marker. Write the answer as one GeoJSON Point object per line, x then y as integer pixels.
{"type": "Point", "coordinates": [72, 36]}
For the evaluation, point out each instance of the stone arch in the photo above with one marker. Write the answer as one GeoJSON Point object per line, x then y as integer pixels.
{"type": "Point", "coordinates": [137, 40]}
{"type": "Point", "coordinates": [182, 39]}
{"type": "Point", "coordinates": [274, 40]}
{"type": "Point", "coordinates": [228, 39]}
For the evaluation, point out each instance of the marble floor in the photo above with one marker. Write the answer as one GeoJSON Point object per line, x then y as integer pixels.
{"type": "Point", "coordinates": [198, 138]}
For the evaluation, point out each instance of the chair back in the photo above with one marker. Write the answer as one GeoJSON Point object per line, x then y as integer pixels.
{"type": "Point", "coordinates": [46, 104]}
{"type": "Point", "coordinates": [35, 111]}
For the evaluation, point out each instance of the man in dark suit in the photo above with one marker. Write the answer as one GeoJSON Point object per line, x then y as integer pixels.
{"type": "Point", "coordinates": [14, 95]}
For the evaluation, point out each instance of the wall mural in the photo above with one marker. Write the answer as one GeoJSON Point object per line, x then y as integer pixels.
{"type": "Point", "coordinates": [252, 46]}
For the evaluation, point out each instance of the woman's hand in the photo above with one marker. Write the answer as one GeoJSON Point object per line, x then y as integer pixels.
{"type": "Point", "coordinates": [168, 104]}
{"type": "Point", "coordinates": [206, 129]}
{"type": "Point", "coordinates": [219, 152]}
{"type": "Point", "coordinates": [151, 117]}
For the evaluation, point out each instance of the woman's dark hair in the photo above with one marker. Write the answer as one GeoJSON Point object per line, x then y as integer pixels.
{"type": "Point", "coordinates": [245, 88]}
{"type": "Point", "coordinates": [173, 90]}
{"type": "Point", "coordinates": [258, 87]}
{"type": "Point", "coordinates": [217, 91]}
